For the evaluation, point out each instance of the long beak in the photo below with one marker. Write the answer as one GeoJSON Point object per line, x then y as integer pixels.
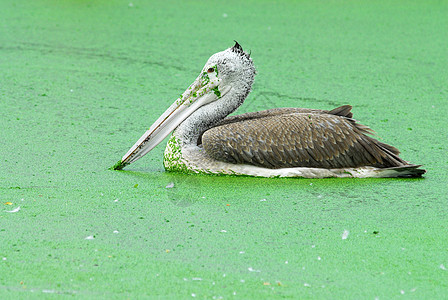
{"type": "Point", "coordinates": [203, 90]}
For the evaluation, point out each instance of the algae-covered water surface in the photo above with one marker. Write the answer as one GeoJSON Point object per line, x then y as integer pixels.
{"type": "Point", "coordinates": [80, 82]}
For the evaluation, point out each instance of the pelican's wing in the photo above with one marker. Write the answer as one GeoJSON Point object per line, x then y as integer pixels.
{"type": "Point", "coordinates": [299, 139]}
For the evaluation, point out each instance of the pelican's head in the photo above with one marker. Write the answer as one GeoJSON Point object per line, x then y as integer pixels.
{"type": "Point", "coordinates": [232, 66]}
{"type": "Point", "coordinates": [231, 69]}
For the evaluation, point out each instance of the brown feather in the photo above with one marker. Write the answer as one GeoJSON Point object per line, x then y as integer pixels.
{"type": "Point", "coordinates": [282, 137]}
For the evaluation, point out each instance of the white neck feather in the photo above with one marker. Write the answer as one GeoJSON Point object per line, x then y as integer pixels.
{"type": "Point", "coordinates": [209, 115]}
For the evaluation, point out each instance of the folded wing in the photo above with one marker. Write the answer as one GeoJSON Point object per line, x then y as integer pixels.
{"type": "Point", "coordinates": [284, 138]}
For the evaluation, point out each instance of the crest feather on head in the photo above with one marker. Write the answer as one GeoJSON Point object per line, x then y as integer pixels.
{"type": "Point", "coordinates": [239, 50]}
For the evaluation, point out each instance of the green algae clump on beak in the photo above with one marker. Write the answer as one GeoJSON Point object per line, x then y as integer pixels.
{"type": "Point", "coordinates": [119, 165]}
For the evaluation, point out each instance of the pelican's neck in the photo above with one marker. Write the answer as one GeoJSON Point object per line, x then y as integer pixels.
{"type": "Point", "coordinates": [189, 131]}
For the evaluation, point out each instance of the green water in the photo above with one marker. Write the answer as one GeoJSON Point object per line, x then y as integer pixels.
{"type": "Point", "coordinates": [80, 81]}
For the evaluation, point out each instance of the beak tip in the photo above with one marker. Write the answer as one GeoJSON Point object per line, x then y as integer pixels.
{"type": "Point", "coordinates": [119, 165]}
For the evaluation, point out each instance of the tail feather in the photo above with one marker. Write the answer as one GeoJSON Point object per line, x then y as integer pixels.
{"type": "Point", "coordinates": [407, 171]}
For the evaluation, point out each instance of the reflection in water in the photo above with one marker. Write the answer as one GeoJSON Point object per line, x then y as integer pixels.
{"type": "Point", "coordinates": [187, 189]}
{"type": "Point", "coordinates": [183, 190]}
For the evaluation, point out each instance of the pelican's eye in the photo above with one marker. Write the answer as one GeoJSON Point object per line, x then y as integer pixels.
{"type": "Point", "coordinates": [211, 70]}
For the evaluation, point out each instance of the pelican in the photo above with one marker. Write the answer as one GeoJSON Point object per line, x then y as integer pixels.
{"type": "Point", "coordinates": [279, 142]}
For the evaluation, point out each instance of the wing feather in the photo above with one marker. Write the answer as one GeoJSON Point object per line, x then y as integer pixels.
{"type": "Point", "coordinates": [280, 138]}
